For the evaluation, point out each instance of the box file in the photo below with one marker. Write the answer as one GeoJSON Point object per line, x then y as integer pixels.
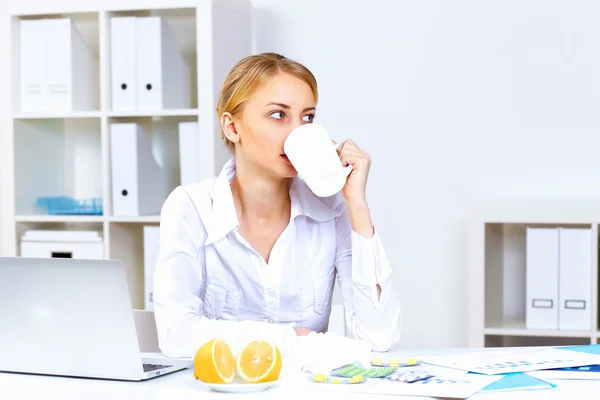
{"type": "Point", "coordinates": [559, 273]}
{"type": "Point", "coordinates": [148, 71]}
{"type": "Point", "coordinates": [163, 78]}
{"type": "Point", "coordinates": [122, 63]}
{"type": "Point", "coordinates": [32, 59]}
{"type": "Point", "coordinates": [542, 265]}
{"type": "Point", "coordinates": [59, 72]}
{"type": "Point", "coordinates": [575, 279]}
{"type": "Point", "coordinates": [138, 183]}
{"type": "Point", "coordinates": [151, 251]}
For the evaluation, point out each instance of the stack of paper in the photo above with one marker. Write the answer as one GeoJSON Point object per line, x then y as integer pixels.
{"type": "Point", "coordinates": [589, 372]}
{"type": "Point", "coordinates": [516, 360]}
{"type": "Point", "coordinates": [585, 372]}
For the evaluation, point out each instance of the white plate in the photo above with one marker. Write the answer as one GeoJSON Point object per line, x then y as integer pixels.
{"type": "Point", "coordinates": [239, 387]}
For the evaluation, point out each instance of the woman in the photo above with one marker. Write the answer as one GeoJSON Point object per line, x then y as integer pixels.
{"type": "Point", "coordinates": [255, 244]}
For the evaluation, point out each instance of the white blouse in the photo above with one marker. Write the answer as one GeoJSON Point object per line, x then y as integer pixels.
{"type": "Point", "coordinates": [208, 279]}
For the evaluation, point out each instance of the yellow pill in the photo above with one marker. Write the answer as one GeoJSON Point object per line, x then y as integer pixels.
{"type": "Point", "coordinates": [320, 378]}
{"type": "Point", "coordinates": [412, 361]}
{"type": "Point", "coordinates": [377, 361]}
{"type": "Point", "coordinates": [394, 363]}
{"type": "Point", "coordinates": [356, 379]}
{"type": "Point", "coordinates": [336, 380]}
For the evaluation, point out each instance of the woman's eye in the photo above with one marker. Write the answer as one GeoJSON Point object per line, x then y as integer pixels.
{"type": "Point", "coordinates": [309, 118]}
{"type": "Point", "coordinates": [277, 115]}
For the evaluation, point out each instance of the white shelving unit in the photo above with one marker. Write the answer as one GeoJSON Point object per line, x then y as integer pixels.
{"type": "Point", "coordinates": [497, 268]}
{"type": "Point", "coordinates": [68, 153]}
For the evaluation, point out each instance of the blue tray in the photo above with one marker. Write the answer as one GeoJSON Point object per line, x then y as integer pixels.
{"type": "Point", "coordinates": [65, 205]}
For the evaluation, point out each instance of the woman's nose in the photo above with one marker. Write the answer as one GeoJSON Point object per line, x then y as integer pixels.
{"type": "Point", "coordinates": [294, 125]}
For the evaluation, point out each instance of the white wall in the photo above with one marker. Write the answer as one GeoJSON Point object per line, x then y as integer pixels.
{"type": "Point", "coordinates": [457, 101]}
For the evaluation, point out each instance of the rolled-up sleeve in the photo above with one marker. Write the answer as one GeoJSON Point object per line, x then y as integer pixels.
{"type": "Point", "coordinates": [362, 264]}
{"type": "Point", "coordinates": [182, 326]}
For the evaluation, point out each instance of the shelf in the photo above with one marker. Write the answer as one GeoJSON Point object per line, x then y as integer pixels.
{"type": "Point", "coordinates": [63, 111]}
{"type": "Point", "coordinates": [505, 281]}
{"type": "Point", "coordinates": [136, 220]}
{"type": "Point", "coordinates": [552, 212]}
{"type": "Point", "coordinates": [187, 112]}
{"type": "Point", "coordinates": [517, 328]}
{"type": "Point", "coordinates": [58, 115]}
{"type": "Point", "coordinates": [59, 218]}
{"type": "Point", "coordinates": [498, 270]}
{"type": "Point", "coordinates": [528, 341]}
{"type": "Point", "coordinates": [56, 157]}
{"type": "Point", "coordinates": [156, 113]}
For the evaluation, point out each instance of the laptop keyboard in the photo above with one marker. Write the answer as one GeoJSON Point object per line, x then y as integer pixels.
{"type": "Point", "coordinates": [154, 367]}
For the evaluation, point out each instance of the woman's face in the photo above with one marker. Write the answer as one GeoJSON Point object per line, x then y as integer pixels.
{"type": "Point", "coordinates": [282, 104]}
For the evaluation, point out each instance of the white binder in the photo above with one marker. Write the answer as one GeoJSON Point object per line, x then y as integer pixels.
{"type": "Point", "coordinates": [58, 65]}
{"type": "Point", "coordinates": [32, 60]}
{"type": "Point", "coordinates": [189, 143]}
{"type": "Point", "coordinates": [575, 285]}
{"type": "Point", "coordinates": [163, 78]}
{"type": "Point", "coordinates": [151, 250]}
{"type": "Point", "coordinates": [123, 63]}
{"type": "Point", "coordinates": [542, 268]}
{"type": "Point", "coordinates": [68, 80]}
{"type": "Point", "coordinates": [137, 179]}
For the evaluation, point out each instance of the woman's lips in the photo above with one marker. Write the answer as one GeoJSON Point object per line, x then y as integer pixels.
{"type": "Point", "coordinates": [285, 158]}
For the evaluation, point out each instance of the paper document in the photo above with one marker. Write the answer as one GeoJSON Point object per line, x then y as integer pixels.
{"type": "Point", "coordinates": [445, 383]}
{"type": "Point", "coordinates": [588, 372]}
{"type": "Point", "coordinates": [515, 361]}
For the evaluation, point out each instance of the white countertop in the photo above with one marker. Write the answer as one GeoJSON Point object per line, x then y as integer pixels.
{"type": "Point", "coordinates": [182, 386]}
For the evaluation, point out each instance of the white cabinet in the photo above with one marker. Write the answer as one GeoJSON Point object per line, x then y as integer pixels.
{"type": "Point", "coordinates": [63, 106]}
{"type": "Point", "coordinates": [521, 252]}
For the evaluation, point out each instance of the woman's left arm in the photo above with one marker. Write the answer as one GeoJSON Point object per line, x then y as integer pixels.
{"type": "Point", "coordinates": [363, 269]}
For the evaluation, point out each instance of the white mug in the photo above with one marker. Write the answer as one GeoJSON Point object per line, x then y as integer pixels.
{"type": "Point", "coordinates": [311, 151]}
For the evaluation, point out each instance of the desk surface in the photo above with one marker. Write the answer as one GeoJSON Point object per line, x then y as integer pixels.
{"type": "Point", "coordinates": [182, 386]}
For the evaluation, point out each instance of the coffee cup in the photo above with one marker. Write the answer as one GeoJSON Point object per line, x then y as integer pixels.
{"type": "Point", "coordinates": [314, 156]}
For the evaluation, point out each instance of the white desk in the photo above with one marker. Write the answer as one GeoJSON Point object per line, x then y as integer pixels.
{"type": "Point", "coordinates": [182, 386]}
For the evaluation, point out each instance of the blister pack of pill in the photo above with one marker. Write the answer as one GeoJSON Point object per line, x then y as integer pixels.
{"type": "Point", "coordinates": [395, 362]}
{"type": "Point", "coordinates": [409, 376]}
{"type": "Point", "coordinates": [355, 369]}
{"type": "Point", "coordinates": [324, 378]}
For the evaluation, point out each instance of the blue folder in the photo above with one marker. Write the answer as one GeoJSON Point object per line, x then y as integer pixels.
{"type": "Point", "coordinates": [517, 381]}
{"type": "Point", "coordinates": [588, 348]}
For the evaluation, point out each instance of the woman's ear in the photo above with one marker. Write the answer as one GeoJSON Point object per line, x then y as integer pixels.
{"type": "Point", "coordinates": [228, 127]}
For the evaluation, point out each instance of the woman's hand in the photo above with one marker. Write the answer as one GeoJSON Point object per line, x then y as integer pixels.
{"type": "Point", "coordinates": [302, 331]}
{"type": "Point", "coordinates": [354, 191]}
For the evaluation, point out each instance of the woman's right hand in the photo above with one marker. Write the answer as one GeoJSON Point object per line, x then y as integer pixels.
{"type": "Point", "coordinates": [302, 331]}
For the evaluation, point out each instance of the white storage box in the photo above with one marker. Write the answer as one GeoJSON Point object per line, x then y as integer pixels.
{"type": "Point", "coordinates": [62, 244]}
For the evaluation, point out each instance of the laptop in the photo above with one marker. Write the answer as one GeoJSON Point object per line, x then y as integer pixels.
{"type": "Point", "coordinates": [71, 317]}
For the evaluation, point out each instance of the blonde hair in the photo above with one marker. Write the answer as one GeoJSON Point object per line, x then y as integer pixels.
{"type": "Point", "coordinates": [250, 74]}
